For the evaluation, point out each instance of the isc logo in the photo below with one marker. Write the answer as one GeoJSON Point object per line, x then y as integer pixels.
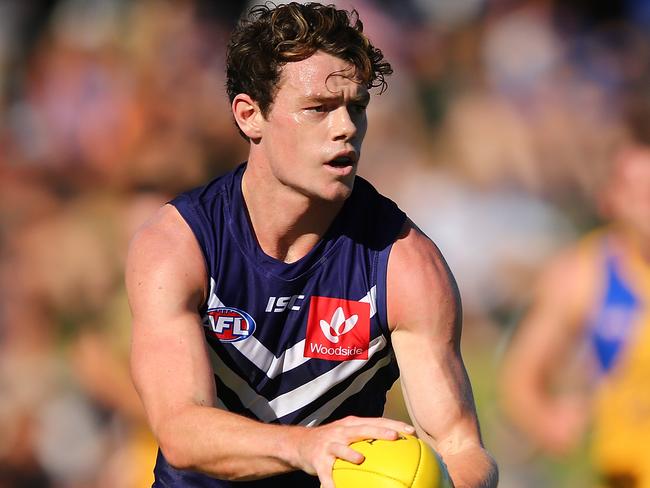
{"type": "Point", "coordinates": [230, 324]}
{"type": "Point", "coordinates": [280, 304]}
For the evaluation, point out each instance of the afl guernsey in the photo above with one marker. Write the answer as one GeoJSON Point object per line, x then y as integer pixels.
{"type": "Point", "coordinates": [303, 343]}
{"type": "Point", "coordinates": [619, 327]}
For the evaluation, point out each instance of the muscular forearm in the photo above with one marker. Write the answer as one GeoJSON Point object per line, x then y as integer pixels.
{"type": "Point", "coordinates": [472, 468]}
{"type": "Point", "coordinates": [226, 445]}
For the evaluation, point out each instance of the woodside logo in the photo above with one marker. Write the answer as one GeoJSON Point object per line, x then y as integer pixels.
{"type": "Point", "coordinates": [335, 351]}
{"type": "Point", "coordinates": [338, 325]}
{"type": "Point", "coordinates": [337, 329]}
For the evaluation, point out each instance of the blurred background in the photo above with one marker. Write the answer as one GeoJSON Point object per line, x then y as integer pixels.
{"type": "Point", "coordinates": [491, 136]}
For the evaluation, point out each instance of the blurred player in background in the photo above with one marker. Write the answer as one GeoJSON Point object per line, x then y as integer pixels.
{"type": "Point", "coordinates": [294, 286]}
{"type": "Point", "coordinates": [595, 293]}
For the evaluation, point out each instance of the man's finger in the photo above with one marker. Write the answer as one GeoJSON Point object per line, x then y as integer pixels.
{"type": "Point", "coordinates": [363, 432]}
{"type": "Point", "coordinates": [395, 425]}
{"type": "Point", "coordinates": [347, 454]}
{"type": "Point", "coordinates": [325, 474]}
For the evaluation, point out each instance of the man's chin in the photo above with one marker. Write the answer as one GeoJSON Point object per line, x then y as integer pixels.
{"type": "Point", "coordinates": [339, 191]}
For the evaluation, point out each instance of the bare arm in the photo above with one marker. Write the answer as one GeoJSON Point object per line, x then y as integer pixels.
{"type": "Point", "coordinates": [170, 366]}
{"type": "Point", "coordinates": [539, 349]}
{"type": "Point", "coordinates": [424, 313]}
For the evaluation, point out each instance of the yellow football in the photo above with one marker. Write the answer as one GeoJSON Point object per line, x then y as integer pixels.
{"type": "Point", "coordinates": [405, 462]}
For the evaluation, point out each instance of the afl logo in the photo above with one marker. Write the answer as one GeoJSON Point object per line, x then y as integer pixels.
{"type": "Point", "coordinates": [230, 324]}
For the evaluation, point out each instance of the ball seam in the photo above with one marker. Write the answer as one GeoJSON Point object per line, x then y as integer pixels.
{"type": "Point", "coordinates": [419, 466]}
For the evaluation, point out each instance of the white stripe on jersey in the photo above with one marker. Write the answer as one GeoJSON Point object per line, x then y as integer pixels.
{"type": "Point", "coordinates": [320, 415]}
{"type": "Point", "coordinates": [265, 360]}
{"type": "Point", "coordinates": [213, 299]}
{"type": "Point", "coordinates": [371, 298]}
{"type": "Point", "coordinates": [302, 396]}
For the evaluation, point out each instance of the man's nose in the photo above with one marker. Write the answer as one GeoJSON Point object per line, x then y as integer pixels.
{"type": "Point", "coordinates": [343, 125]}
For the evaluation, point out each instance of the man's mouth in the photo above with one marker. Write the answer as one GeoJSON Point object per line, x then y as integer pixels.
{"type": "Point", "coordinates": [342, 165]}
{"type": "Point", "coordinates": [341, 162]}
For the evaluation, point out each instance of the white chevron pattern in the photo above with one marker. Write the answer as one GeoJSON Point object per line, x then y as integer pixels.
{"type": "Point", "coordinates": [265, 360]}
{"type": "Point", "coordinates": [303, 395]}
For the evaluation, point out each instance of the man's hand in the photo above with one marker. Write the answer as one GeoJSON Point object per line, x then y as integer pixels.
{"type": "Point", "coordinates": [561, 430]}
{"type": "Point", "coordinates": [319, 447]}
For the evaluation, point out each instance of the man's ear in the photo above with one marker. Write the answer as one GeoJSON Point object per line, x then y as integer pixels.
{"type": "Point", "coordinates": [247, 115]}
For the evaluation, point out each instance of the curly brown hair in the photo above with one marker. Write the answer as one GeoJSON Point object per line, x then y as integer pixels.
{"type": "Point", "coordinates": [271, 36]}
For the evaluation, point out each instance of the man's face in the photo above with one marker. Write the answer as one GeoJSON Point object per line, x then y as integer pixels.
{"type": "Point", "coordinates": [312, 135]}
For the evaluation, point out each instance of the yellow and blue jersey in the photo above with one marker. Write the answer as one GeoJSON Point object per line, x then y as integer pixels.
{"type": "Point", "coordinates": [619, 331]}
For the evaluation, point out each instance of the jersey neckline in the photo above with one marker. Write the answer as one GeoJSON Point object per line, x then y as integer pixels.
{"type": "Point", "coordinates": [241, 228]}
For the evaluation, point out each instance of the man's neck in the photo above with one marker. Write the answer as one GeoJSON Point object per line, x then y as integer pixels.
{"type": "Point", "coordinates": [286, 223]}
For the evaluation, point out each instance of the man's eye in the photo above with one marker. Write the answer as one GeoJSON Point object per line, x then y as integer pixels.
{"type": "Point", "coordinates": [317, 108]}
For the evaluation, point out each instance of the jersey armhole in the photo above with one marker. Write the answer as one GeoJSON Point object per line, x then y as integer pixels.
{"type": "Point", "coordinates": [381, 270]}
{"type": "Point", "coordinates": [185, 208]}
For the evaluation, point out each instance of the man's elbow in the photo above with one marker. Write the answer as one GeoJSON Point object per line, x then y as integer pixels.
{"type": "Point", "coordinates": [181, 456]}
{"type": "Point", "coordinates": [176, 455]}
{"type": "Point", "coordinates": [175, 443]}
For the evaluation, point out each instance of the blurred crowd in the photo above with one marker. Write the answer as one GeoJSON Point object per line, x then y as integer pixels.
{"type": "Point", "coordinates": [494, 135]}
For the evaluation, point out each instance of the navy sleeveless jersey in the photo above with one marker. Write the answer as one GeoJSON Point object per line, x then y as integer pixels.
{"type": "Point", "coordinates": [303, 343]}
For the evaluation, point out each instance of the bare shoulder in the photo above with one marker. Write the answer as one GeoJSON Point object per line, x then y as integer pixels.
{"type": "Point", "coordinates": [414, 247]}
{"type": "Point", "coordinates": [420, 285]}
{"type": "Point", "coordinates": [166, 226]}
{"type": "Point", "coordinates": [164, 255]}
{"type": "Point", "coordinates": [570, 266]}
{"type": "Point", "coordinates": [570, 280]}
